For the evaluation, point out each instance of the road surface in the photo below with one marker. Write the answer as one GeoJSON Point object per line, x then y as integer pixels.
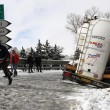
{"type": "Point", "coordinates": [37, 91]}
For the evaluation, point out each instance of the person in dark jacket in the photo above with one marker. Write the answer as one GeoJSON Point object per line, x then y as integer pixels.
{"type": "Point", "coordinates": [38, 62]}
{"type": "Point", "coordinates": [4, 62]}
{"type": "Point", "coordinates": [30, 62]}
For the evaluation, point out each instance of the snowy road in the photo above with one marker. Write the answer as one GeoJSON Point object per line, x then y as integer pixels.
{"type": "Point", "coordinates": [46, 91]}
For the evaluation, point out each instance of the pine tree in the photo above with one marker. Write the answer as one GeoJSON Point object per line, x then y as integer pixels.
{"type": "Point", "coordinates": [77, 54]}
{"type": "Point", "coordinates": [39, 49]}
{"type": "Point", "coordinates": [47, 50]}
{"type": "Point", "coordinates": [33, 52]}
{"type": "Point", "coordinates": [23, 53]}
{"type": "Point", "coordinates": [56, 51]}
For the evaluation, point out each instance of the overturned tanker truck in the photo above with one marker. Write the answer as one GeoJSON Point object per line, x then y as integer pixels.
{"type": "Point", "coordinates": [93, 47]}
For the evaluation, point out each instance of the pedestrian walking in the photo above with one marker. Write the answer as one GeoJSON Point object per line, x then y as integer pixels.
{"type": "Point", "coordinates": [30, 62]}
{"type": "Point", "coordinates": [4, 61]}
{"type": "Point", "coordinates": [14, 59]}
{"type": "Point", "coordinates": [38, 61]}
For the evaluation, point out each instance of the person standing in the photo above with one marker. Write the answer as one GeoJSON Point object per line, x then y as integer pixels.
{"type": "Point", "coordinates": [38, 61]}
{"type": "Point", "coordinates": [14, 59]}
{"type": "Point", "coordinates": [30, 62]}
{"type": "Point", "coordinates": [4, 62]}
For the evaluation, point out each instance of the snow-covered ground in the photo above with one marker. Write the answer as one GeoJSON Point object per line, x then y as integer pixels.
{"type": "Point", "coordinates": [46, 91]}
{"type": "Point", "coordinates": [90, 98]}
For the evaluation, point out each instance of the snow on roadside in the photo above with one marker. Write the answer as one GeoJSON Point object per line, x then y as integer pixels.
{"type": "Point", "coordinates": [90, 99]}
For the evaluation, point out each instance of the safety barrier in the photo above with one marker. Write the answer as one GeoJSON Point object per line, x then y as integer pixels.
{"type": "Point", "coordinates": [46, 64]}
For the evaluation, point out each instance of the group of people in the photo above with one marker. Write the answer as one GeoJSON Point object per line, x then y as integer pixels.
{"type": "Point", "coordinates": [12, 58]}
{"type": "Point", "coordinates": [30, 61]}
{"type": "Point", "coordinates": [5, 59]}
{"type": "Point", "coordinates": [13, 61]}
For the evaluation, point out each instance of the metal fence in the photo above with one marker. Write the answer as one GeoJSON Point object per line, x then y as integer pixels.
{"type": "Point", "coordinates": [46, 64]}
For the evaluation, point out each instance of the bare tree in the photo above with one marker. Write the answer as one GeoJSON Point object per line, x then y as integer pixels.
{"type": "Point", "coordinates": [74, 22]}
{"type": "Point", "coordinates": [91, 13]}
{"type": "Point", "coordinates": [107, 15]}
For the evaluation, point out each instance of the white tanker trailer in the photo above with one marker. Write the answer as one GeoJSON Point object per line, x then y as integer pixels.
{"type": "Point", "coordinates": [94, 46]}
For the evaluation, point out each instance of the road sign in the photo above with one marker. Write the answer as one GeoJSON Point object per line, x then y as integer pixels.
{"type": "Point", "coordinates": [4, 23]}
{"type": "Point", "coordinates": [7, 46]}
{"type": "Point", "coordinates": [1, 11]}
{"type": "Point", "coordinates": [4, 39]}
{"type": "Point", "coordinates": [4, 31]}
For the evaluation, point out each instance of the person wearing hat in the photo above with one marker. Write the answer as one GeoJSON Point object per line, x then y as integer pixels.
{"type": "Point", "coordinates": [30, 62]}
{"type": "Point", "coordinates": [14, 59]}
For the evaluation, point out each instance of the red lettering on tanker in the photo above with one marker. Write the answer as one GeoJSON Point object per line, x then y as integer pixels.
{"type": "Point", "coordinates": [98, 45]}
{"type": "Point", "coordinates": [93, 56]}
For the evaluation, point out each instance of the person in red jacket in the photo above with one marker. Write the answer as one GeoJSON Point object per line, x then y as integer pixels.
{"type": "Point", "coordinates": [14, 59]}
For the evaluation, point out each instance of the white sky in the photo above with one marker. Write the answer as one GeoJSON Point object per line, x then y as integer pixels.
{"type": "Point", "coordinates": [45, 20]}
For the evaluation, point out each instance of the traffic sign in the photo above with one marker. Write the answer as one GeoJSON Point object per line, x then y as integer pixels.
{"type": "Point", "coordinates": [1, 11]}
{"type": "Point", "coordinates": [4, 31]}
{"type": "Point", "coordinates": [7, 46]}
{"type": "Point", "coordinates": [4, 39]}
{"type": "Point", "coordinates": [4, 23]}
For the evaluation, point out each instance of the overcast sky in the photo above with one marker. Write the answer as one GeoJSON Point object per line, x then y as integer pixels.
{"type": "Point", "coordinates": [45, 20]}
